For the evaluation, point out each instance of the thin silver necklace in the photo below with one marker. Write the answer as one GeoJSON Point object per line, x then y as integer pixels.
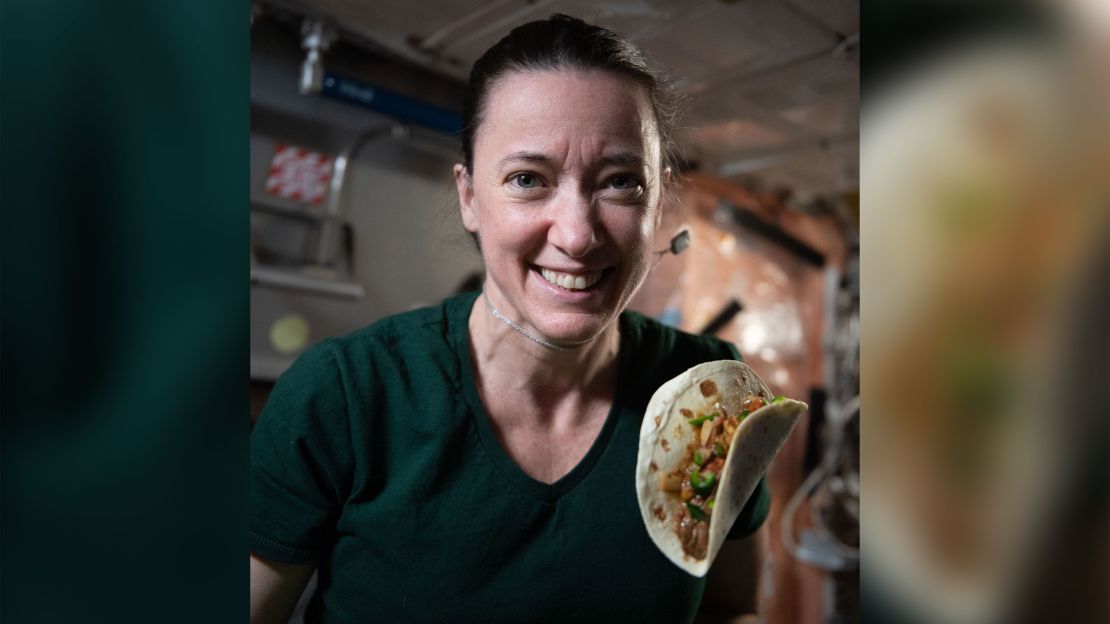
{"type": "Point", "coordinates": [523, 332]}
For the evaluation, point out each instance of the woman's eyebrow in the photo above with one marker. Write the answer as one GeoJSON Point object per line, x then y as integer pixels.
{"type": "Point", "coordinates": [618, 159]}
{"type": "Point", "coordinates": [515, 157]}
{"type": "Point", "coordinates": [622, 158]}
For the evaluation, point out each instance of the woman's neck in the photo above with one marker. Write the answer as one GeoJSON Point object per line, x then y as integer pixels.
{"type": "Point", "coordinates": [506, 359]}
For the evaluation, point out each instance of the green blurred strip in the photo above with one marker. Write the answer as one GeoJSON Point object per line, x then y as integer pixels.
{"type": "Point", "coordinates": [124, 148]}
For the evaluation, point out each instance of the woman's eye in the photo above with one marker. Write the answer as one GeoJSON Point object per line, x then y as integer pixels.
{"type": "Point", "coordinates": [526, 180]}
{"type": "Point", "coordinates": [624, 182]}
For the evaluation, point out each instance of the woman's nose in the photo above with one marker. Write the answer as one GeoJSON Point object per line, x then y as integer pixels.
{"type": "Point", "coordinates": [575, 229]}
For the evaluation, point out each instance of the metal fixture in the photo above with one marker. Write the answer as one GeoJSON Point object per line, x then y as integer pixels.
{"type": "Point", "coordinates": [833, 488]}
{"type": "Point", "coordinates": [329, 229]}
{"type": "Point", "coordinates": [317, 38]}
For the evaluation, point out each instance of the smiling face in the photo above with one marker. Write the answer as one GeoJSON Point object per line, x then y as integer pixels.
{"type": "Point", "coordinates": [564, 197]}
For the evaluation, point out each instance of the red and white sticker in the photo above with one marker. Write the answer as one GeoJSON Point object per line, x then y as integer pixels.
{"type": "Point", "coordinates": [299, 174]}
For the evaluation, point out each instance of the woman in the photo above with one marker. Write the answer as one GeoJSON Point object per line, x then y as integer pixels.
{"type": "Point", "coordinates": [474, 461]}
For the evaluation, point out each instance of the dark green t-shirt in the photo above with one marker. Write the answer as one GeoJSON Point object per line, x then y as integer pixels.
{"type": "Point", "coordinates": [374, 460]}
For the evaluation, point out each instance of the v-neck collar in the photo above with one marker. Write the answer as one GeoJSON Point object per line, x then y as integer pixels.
{"type": "Point", "coordinates": [545, 492]}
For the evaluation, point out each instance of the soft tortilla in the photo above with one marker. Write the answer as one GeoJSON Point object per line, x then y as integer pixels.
{"type": "Point", "coordinates": [665, 434]}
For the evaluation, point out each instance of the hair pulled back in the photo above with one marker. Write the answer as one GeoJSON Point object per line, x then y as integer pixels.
{"type": "Point", "coordinates": [564, 42]}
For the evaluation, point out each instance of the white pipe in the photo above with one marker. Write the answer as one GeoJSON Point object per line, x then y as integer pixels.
{"type": "Point", "coordinates": [279, 278]}
{"type": "Point", "coordinates": [318, 37]}
{"type": "Point", "coordinates": [848, 555]}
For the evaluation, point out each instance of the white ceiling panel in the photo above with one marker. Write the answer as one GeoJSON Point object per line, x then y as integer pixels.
{"type": "Point", "coordinates": [816, 170]}
{"type": "Point", "coordinates": [713, 47]}
{"type": "Point", "coordinates": [761, 75]}
{"type": "Point", "coordinates": [840, 15]}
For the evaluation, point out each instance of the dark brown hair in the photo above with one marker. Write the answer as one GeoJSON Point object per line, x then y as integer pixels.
{"type": "Point", "coordinates": [564, 42]}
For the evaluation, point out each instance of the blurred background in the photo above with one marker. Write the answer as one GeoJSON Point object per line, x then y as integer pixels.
{"type": "Point", "coordinates": [978, 167]}
{"type": "Point", "coordinates": [355, 108]}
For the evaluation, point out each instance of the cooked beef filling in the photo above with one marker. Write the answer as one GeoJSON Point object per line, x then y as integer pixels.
{"type": "Point", "coordinates": [695, 481]}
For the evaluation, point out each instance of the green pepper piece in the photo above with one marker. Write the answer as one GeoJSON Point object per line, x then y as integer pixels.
{"type": "Point", "coordinates": [703, 484]}
{"type": "Point", "coordinates": [694, 422]}
{"type": "Point", "coordinates": [719, 449]}
{"type": "Point", "coordinates": [778, 399]}
{"type": "Point", "coordinates": [696, 513]}
{"type": "Point", "coordinates": [698, 459]}
{"type": "Point", "coordinates": [712, 503]}
{"type": "Point", "coordinates": [743, 415]}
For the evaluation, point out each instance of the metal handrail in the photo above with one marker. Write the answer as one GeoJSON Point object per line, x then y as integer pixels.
{"type": "Point", "coordinates": [329, 230]}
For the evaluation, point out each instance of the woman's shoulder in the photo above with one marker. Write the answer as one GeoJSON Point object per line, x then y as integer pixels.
{"type": "Point", "coordinates": [658, 352]}
{"type": "Point", "coordinates": [421, 329]}
{"type": "Point", "coordinates": [362, 360]}
{"type": "Point", "coordinates": [651, 335]}
{"type": "Point", "coordinates": [366, 368]}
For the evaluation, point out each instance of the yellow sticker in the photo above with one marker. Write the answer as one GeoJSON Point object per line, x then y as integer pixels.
{"type": "Point", "coordinates": [289, 333]}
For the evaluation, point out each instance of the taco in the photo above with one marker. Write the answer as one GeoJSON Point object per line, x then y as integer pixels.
{"type": "Point", "coordinates": [708, 436]}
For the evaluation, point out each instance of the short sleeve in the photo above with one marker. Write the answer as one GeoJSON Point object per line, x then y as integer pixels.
{"type": "Point", "coordinates": [733, 352]}
{"type": "Point", "coordinates": [301, 461]}
{"type": "Point", "coordinates": [754, 512]}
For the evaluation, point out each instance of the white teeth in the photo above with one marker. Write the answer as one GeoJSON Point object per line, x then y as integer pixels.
{"type": "Point", "coordinates": [571, 282]}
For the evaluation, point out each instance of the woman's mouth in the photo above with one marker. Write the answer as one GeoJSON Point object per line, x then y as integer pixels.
{"type": "Point", "coordinates": [572, 282]}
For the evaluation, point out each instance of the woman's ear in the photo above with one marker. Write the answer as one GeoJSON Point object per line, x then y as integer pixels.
{"type": "Point", "coordinates": [467, 206]}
